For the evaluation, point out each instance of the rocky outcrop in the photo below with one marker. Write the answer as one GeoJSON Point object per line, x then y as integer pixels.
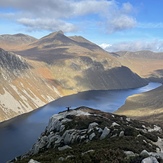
{"type": "Point", "coordinates": [89, 128]}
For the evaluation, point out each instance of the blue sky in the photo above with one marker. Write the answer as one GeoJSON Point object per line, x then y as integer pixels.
{"type": "Point", "coordinates": [113, 24]}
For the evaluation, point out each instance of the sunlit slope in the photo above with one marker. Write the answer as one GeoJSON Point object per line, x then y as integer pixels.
{"type": "Point", "coordinates": [146, 106]}
{"type": "Point", "coordinates": [15, 42]}
{"type": "Point", "coordinates": [79, 65]}
{"type": "Point", "coordinates": [20, 89]}
{"type": "Point", "coordinates": [147, 64]}
{"type": "Point", "coordinates": [55, 66]}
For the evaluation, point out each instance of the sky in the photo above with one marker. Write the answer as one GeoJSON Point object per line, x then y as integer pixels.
{"type": "Point", "coordinates": [115, 25]}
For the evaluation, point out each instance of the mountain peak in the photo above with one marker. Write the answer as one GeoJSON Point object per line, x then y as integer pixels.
{"type": "Point", "coordinates": [60, 31]}
{"type": "Point", "coordinates": [55, 34]}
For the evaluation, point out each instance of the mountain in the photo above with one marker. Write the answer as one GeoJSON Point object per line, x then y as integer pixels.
{"type": "Point", "coordinates": [147, 106]}
{"type": "Point", "coordinates": [77, 64]}
{"type": "Point", "coordinates": [147, 64]}
{"type": "Point", "coordinates": [16, 41]}
{"type": "Point", "coordinates": [87, 135]}
{"type": "Point", "coordinates": [21, 89]}
{"type": "Point", "coordinates": [56, 65]}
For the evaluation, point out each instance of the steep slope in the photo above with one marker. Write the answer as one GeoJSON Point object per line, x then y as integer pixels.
{"type": "Point", "coordinates": [79, 65]}
{"type": "Point", "coordinates": [146, 106]}
{"type": "Point", "coordinates": [145, 63]}
{"type": "Point", "coordinates": [21, 90]}
{"type": "Point", "coordinates": [16, 41]}
{"type": "Point", "coordinates": [87, 135]}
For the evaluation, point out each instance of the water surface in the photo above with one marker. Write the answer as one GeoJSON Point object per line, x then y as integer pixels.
{"type": "Point", "coordinates": [19, 134]}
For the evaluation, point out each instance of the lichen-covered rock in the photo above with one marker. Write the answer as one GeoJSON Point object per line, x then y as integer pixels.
{"type": "Point", "coordinates": [144, 153]}
{"type": "Point", "coordinates": [105, 133]}
{"type": "Point", "coordinates": [92, 136]}
{"type": "Point", "coordinates": [149, 160]}
{"type": "Point", "coordinates": [33, 161]}
{"type": "Point", "coordinates": [121, 134]}
{"type": "Point", "coordinates": [92, 125]}
{"type": "Point", "coordinates": [64, 148]}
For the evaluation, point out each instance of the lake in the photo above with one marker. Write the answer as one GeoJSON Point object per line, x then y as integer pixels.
{"type": "Point", "coordinates": [19, 134]}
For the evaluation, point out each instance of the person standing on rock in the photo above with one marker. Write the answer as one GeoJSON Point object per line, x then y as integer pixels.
{"type": "Point", "coordinates": [68, 108]}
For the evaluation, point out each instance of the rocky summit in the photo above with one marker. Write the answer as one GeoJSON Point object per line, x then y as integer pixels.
{"type": "Point", "coordinates": [88, 135]}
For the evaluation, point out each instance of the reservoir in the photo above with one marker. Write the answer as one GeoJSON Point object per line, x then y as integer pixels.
{"type": "Point", "coordinates": [19, 134]}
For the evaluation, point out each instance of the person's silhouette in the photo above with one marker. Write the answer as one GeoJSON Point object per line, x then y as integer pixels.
{"type": "Point", "coordinates": [68, 108]}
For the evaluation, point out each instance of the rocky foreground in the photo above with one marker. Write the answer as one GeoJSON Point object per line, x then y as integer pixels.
{"type": "Point", "coordinates": [89, 135]}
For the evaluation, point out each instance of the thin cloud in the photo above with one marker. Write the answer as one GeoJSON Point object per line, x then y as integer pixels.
{"type": "Point", "coordinates": [121, 22]}
{"type": "Point", "coordinates": [30, 13]}
{"type": "Point", "coordinates": [150, 25]}
{"type": "Point", "coordinates": [155, 45]}
{"type": "Point", "coordinates": [46, 24]}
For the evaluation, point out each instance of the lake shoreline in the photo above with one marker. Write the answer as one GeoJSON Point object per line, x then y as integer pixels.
{"type": "Point", "coordinates": [20, 133]}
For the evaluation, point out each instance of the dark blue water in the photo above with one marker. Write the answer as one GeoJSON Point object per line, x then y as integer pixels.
{"type": "Point", "coordinates": [19, 134]}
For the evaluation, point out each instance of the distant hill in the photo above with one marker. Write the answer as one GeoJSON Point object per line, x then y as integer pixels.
{"type": "Point", "coordinates": [147, 64]}
{"type": "Point", "coordinates": [16, 41]}
{"type": "Point", "coordinates": [87, 135]}
{"type": "Point", "coordinates": [146, 106]}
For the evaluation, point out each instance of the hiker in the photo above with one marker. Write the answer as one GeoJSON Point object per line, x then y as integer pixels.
{"type": "Point", "coordinates": [68, 108]}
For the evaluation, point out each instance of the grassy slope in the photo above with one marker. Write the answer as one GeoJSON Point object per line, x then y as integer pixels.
{"type": "Point", "coordinates": [146, 106]}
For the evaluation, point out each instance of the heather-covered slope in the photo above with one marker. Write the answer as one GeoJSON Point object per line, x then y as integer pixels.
{"type": "Point", "coordinates": [147, 106]}
{"type": "Point", "coordinates": [87, 135]}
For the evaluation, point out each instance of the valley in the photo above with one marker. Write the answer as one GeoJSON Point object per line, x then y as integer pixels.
{"type": "Point", "coordinates": [35, 72]}
{"type": "Point", "coordinates": [42, 70]}
{"type": "Point", "coordinates": [24, 130]}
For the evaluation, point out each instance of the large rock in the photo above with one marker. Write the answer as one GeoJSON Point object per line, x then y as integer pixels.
{"type": "Point", "coordinates": [105, 133]}
{"type": "Point", "coordinates": [149, 160]}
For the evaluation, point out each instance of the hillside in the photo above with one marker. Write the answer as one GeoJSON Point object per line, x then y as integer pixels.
{"type": "Point", "coordinates": [147, 106]}
{"type": "Point", "coordinates": [21, 90]}
{"type": "Point", "coordinates": [79, 65]}
{"type": "Point", "coordinates": [147, 64]}
{"type": "Point", "coordinates": [86, 135]}
{"type": "Point", "coordinates": [16, 41]}
{"type": "Point", "coordinates": [55, 66]}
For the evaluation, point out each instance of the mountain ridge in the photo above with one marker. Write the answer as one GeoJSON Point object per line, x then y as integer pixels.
{"type": "Point", "coordinates": [16, 41]}
{"type": "Point", "coordinates": [144, 63]}
{"type": "Point", "coordinates": [63, 68]}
